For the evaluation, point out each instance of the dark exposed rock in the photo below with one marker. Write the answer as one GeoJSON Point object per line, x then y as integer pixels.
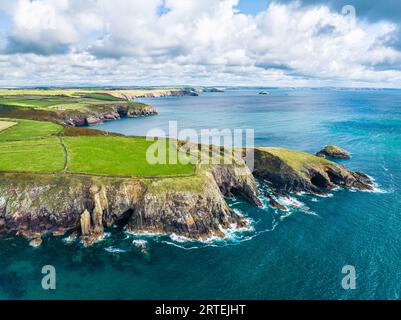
{"type": "Point", "coordinates": [275, 204]}
{"type": "Point", "coordinates": [238, 181]}
{"type": "Point", "coordinates": [215, 90]}
{"type": "Point", "coordinates": [100, 114]}
{"type": "Point", "coordinates": [333, 152]}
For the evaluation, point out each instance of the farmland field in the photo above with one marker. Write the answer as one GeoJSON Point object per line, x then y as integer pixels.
{"type": "Point", "coordinates": [117, 156]}
{"type": "Point", "coordinates": [33, 146]}
{"type": "Point", "coordinates": [28, 129]}
{"type": "Point", "coordinates": [41, 155]}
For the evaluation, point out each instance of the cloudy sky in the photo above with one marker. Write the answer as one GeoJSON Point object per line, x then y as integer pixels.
{"type": "Point", "coordinates": [200, 42]}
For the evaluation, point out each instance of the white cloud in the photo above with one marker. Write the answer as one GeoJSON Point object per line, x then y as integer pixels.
{"type": "Point", "coordinates": [198, 42]}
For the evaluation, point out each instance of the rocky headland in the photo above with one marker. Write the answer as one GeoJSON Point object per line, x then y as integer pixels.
{"type": "Point", "coordinates": [99, 114]}
{"type": "Point", "coordinates": [294, 171]}
{"type": "Point", "coordinates": [191, 206]}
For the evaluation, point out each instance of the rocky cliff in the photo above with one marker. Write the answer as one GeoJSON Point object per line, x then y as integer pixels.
{"type": "Point", "coordinates": [192, 206]}
{"type": "Point", "coordinates": [98, 114]}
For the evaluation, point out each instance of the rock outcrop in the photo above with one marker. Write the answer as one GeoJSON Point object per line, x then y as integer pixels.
{"type": "Point", "coordinates": [274, 203]}
{"type": "Point", "coordinates": [295, 171]}
{"type": "Point", "coordinates": [333, 152]}
{"type": "Point", "coordinates": [99, 114]}
{"type": "Point", "coordinates": [236, 181]}
{"type": "Point", "coordinates": [193, 213]}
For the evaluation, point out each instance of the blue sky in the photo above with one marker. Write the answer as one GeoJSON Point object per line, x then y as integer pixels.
{"type": "Point", "coordinates": [200, 42]}
{"type": "Point", "coordinates": [252, 6]}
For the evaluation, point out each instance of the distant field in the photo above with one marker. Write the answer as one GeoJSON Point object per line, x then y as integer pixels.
{"type": "Point", "coordinates": [60, 100]}
{"type": "Point", "coordinates": [48, 101]}
{"type": "Point", "coordinates": [58, 92]}
{"type": "Point", "coordinates": [31, 103]}
{"type": "Point", "coordinates": [28, 129]}
{"type": "Point", "coordinates": [6, 124]}
{"type": "Point", "coordinates": [42, 155]}
{"type": "Point", "coordinates": [99, 96]}
{"type": "Point", "coordinates": [116, 156]}
{"type": "Point", "coordinates": [76, 92]}
{"type": "Point", "coordinates": [32, 146]}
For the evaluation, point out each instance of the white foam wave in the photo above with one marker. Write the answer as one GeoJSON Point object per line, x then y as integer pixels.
{"type": "Point", "coordinates": [139, 242]}
{"type": "Point", "coordinates": [114, 250]}
{"type": "Point", "coordinates": [70, 239]}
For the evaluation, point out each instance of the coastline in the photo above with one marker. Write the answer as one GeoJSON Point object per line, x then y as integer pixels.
{"type": "Point", "coordinates": [189, 206]}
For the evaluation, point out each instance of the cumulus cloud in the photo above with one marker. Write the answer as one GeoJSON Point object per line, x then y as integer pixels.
{"type": "Point", "coordinates": [194, 42]}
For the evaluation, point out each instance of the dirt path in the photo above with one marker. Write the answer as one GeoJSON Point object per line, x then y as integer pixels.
{"type": "Point", "coordinates": [65, 153]}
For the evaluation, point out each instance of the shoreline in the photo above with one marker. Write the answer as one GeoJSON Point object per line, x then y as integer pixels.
{"type": "Point", "coordinates": [190, 206]}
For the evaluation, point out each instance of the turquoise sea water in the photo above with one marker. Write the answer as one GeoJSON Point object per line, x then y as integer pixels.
{"type": "Point", "coordinates": [295, 256]}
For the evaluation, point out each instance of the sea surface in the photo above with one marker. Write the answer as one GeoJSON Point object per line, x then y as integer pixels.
{"type": "Point", "coordinates": [296, 255]}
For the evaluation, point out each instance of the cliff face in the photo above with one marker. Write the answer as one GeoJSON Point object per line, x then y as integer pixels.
{"type": "Point", "coordinates": [105, 113]}
{"type": "Point", "coordinates": [197, 213]}
{"type": "Point", "coordinates": [236, 181]}
{"type": "Point", "coordinates": [193, 207]}
{"type": "Point", "coordinates": [158, 94]}
{"type": "Point", "coordinates": [32, 205]}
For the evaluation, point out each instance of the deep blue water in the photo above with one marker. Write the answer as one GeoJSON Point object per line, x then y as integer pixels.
{"type": "Point", "coordinates": [297, 256]}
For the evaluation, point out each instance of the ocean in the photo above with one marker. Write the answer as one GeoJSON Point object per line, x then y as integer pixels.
{"type": "Point", "coordinates": [295, 255]}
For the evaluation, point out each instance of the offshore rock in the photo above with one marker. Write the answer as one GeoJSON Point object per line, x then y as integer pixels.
{"type": "Point", "coordinates": [333, 152]}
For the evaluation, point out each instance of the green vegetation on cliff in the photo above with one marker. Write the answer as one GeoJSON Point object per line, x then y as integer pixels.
{"type": "Point", "coordinates": [297, 171]}
{"type": "Point", "coordinates": [295, 159]}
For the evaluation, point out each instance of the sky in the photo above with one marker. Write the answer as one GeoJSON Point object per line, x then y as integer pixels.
{"type": "Point", "coordinates": [200, 42]}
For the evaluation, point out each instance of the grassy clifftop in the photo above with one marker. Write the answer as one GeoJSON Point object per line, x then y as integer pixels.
{"type": "Point", "coordinates": [35, 146]}
{"type": "Point", "coordinates": [296, 171]}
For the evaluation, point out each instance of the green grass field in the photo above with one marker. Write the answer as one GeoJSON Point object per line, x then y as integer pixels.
{"type": "Point", "coordinates": [41, 155]}
{"type": "Point", "coordinates": [99, 96]}
{"type": "Point", "coordinates": [116, 156]}
{"type": "Point", "coordinates": [29, 103]}
{"type": "Point", "coordinates": [28, 129]}
{"type": "Point", "coordinates": [35, 146]}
